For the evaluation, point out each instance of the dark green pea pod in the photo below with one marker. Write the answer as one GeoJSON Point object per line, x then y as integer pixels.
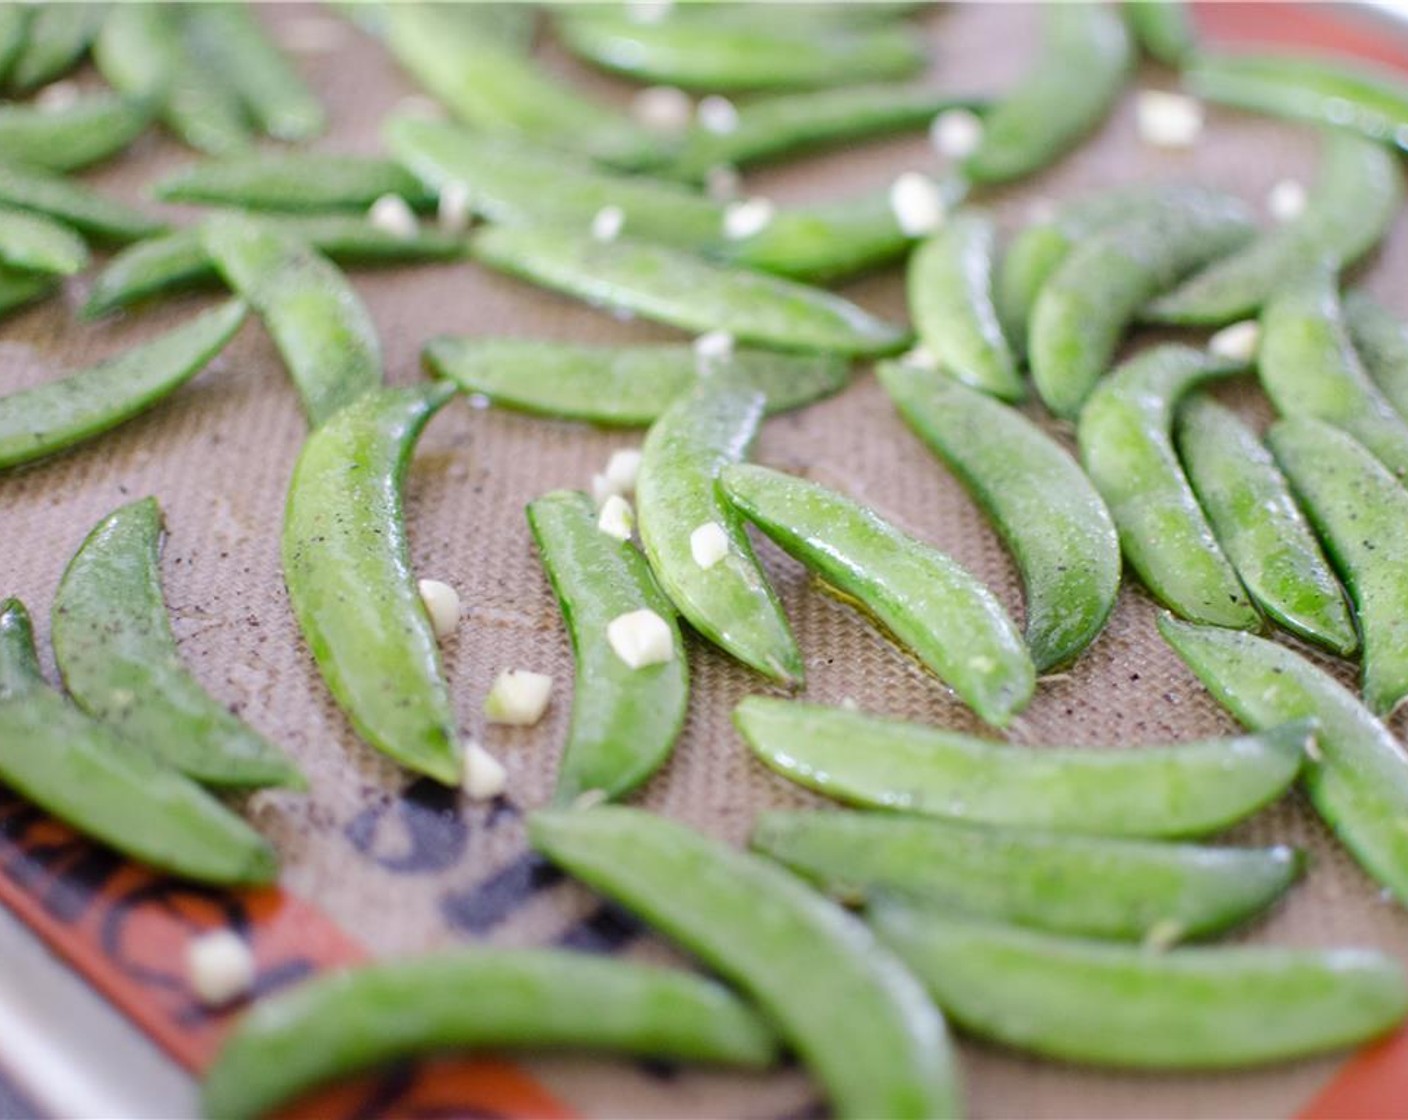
{"type": "Point", "coordinates": [860, 1022]}
{"type": "Point", "coordinates": [14, 30]}
{"type": "Point", "coordinates": [57, 38]}
{"type": "Point", "coordinates": [30, 242]}
{"type": "Point", "coordinates": [1259, 526]}
{"type": "Point", "coordinates": [928, 602]}
{"type": "Point", "coordinates": [1353, 203]}
{"type": "Point", "coordinates": [296, 181]}
{"type": "Point", "coordinates": [621, 386]}
{"type": "Point", "coordinates": [91, 130]}
{"type": "Point", "coordinates": [48, 418]}
{"type": "Point", "coordinates": [1163, 29]}
{"type": "Point", "coordinates": [1042, 504]}
{"type": "Point", "coordinates": [675, 287]}
{"type": "Point", "coordinates": [1381, 341]}
{"type": "Point", "coordinates": [118, 656]}
{"type": "Point", "coordinates": [624, 721]}
{"type": "Point", "coordinates": [1077, 885]}
{"type": "Point", "coordinates": [74, 204]}
{"type": "Point", "coordinates": [1126, 446]}
{"type": "Point", "coordinates": [1085, 61]}
{"type": "Point", "coordinates": [18, 289]}
{"type": "Point", "coordinates": [324, 332]}
{"type": "Point", "coordinates": [85, 774]}
{"type": "Point", "coordinates": [1127, 1008]}
{"type": "Point", "coordinates": [1191, 789]}
{"type": "Point", "coordinates": [350, 583]}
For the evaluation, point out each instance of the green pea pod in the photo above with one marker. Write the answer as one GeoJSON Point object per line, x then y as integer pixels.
{"type": "Point", "coordinates": [951, 302]}
{"type": "Point", "coordinates": [1381, 342]}
{"type": "Point", "coordinates": [1124, 1007]}
{"type": "Point", "coordinates": [1164, 30]}
{"type": "Point", "coordinates": [730, 602]}
{"type": "Point", "coordinates": [119, 661]}
{"type": "Point", "coordinates": [48, 418]}
{"type": "Point", "coordinates": [1077, 885]}
{"type": "Point", "coordinates": [321, 327]}
{"type": "Point", "coordinates": [1361, 513]}
{"type": "Point", "coordinates": [33, 243]}
{"type": "Point", "coordinates": [1126, 446]}
{"type": "Point", "coordinates": [1357, 777]}
{"type": "Point", "coordinates": [91, 130]}
{"type": "Point", "coordinates": [350, 583]}
{"type": "Point", "coordinates": [620, 386]}
{"type": "Point", "coordinates": [1089, 302]}
{"type": "Point", "coordinates": [1192, 789]}
{"type": "Point", "coordinates": [1260, 528]}
{"type": "Point", "coordinates": [1042, 504]}
{"type": "Point", "coordinates": [1085, 61]}
{"type": "Point", "coordinates": [1351, 207]}
{"type": "Point", "coordinates": [20, 288]}
{"type": "Point", "coordinates": [72, 203]}
{"type": "Point", "coordinates": [57, 38]}
{"type": "Point", "coordinates": [296, 181]}
{"type": "Point", "coordinates": [931, 605]}
{"type": "Point", "coordinates": [82, 772]}
{"type": "Point", "coordinates": [624, 721]}
{"type": "Point", "coordinates": [674, 287]}
{"type": "Point", "coordinates": [14, 31]}
{"type": "Point", "coordinates": [857, 1019]}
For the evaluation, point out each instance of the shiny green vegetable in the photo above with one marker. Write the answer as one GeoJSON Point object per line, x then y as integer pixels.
{"type": "Point", "coordinates": [1380, 340]}
{"type": "Point", "coordinates": [74, 204]}
{"type": "Point", "coordinates": [931, 605]}
{"type": "Point", "coordinates": [1120, 1006]}
{"type": "Point", "coordinates": [33, 243]}
{"type": "Point", "coordinates": [349, 1020]}
{"type": "Point", "coordinates": [350, 582]}
{"type": "Point", "coordinates": [1042, 504]}
{"type": "Point", "coordinates": [20, 288]}
{"type": "Point", "coordinates": [58, 414]}
{"type": "Point", "coordinates": [118, 656]}
{"type": "Point", "coordinates": [624, 721]}
{"type": "Point", "coordinates": [1260, 528]}
{"type": "Point", "coordinates": [85, 774]}
{"type": "Point", "coordinates": [295, 181]}
{"type": "Point", "coordinates": [1126, 446]}
{"type": "Point", "coordinates": [856, 1018]}
{"type": "Point", "coordinates": [56, 39]}
{"type": "Point", "coordinates": [91, 130]}
{"type": "Point", "coordinates": [1163, 29]}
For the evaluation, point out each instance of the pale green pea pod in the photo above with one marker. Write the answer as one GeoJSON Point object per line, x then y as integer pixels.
{"type": "Point", "coordinates": [18, 289]}
{"type": "Point", "coordinates": [1381, 342]}
{"type": "Point", "coordinates": [56, 39]}
{"type": "Point", "coordinates": [68, 201]}
{"type": "Point", "coordinates": [87, 132]}
{"type": "Point", "coordinates": [1164, 30]}
{"type": "Point", "coordinates": [295, 181]}
{"type": "Point", "coordinates": [33, 243]}
{"type": "Point", "coordinates": [14, 30]}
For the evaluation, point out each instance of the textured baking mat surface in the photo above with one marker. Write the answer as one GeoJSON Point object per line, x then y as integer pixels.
{"type": "Point", "coordinates": [406, 868]}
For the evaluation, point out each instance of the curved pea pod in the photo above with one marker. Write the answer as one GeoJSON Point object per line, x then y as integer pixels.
{"type": "Point", "coordinates": [624, 720]}
{"type": "Point", "coordinates": [1351, 207]}
{"type": "Point", "coordinates": [115, 649]}
{"type": "Point", "coordinates": [1380, 340]}
{"type": "Point", "coordinates": [20, 288]}
{"type": "Point", "coordinates": [87, 132]}
{"type": "Point", "coordinates": [59, 414]}
{"type": "Point", "coordinates": [1163, 29]}
{"type": "Point", "coordinates": [14, 29]}
{"type": "Point", "coordinates": [931, 605]}
{"type": "Point", "coordinates": [1077, 885]}
{"type": "Point", "coordinates": [1089, 302]}
{"type": "Point", "coordinates": [85, 774]}
{"type": "Point", "coordinates": [1361, 513]}
{"type": "Point", "coordinates": [1122, 1006]}
{"type": "Point", "coordinates": [1357, 777]}
{"type": "Point", "coordinates": [858, 1020]}
{"type": "Point", "coordinates": [950, 287]}
{"type": "Point", "coordinates": [1126, 446]}
{"type": "Point", "coordinates": [1308, 367]}
{"type": "Point", "coordinates": [1085, 61]}
{"type": "Point", "coordinates": [1260, 528]}
{"type": "Point", "coordinates": [1048, 514]}
{"type": "Point", "coordinates": [621, 386]}
{"type": "Point", "coordinates": [33, 243]}
{"type": "Point", "coordinates": [70, 202]}
{"type": "Point", "coordinates": [56, 39]}
{"type": "Point", "coordinates": [295, 181]}
{"type": "Point", "coordinates": [322, 329]}
{"type": "Point", "coordinates": [674, 287]}
{"type": "Point", "coordinates": [730, 602]}
{"type": "Point", "coordinates": [1191, 789]}
{"type": "Point", "coordinates": [350, 583]}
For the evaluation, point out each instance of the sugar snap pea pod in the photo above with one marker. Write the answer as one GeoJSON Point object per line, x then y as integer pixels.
{"type": "Point", "coordinates": [935, 608]}
{"type": "Point", "coordinates": [1077, 885]}
{"type": "Point", "coordinates": [730, 602]}
{"type": "Point", "coordinates": [322, 329]}
{"type": "Point", "coordinates": [1361, 513]}
{"type": "Point", "coordinates": [675, 287]}
{"type": "Point", "coordinates": [56, 415]}
{"type": "Point", "coordinates": [620, 386]}
{"type": "Point", "coordinates": [33, 243]}
{"type": "Point", "coordinates": [14, 30]}
{"type": "Point", "coordinates": [1122, 1006]}
{"type": "Point", "coordinates": [1049, 515]}
{"type": "Point", "coordinates": [91, 130]}
{"type": "Point", "coordinates": [1351, 206]}
{"type": "Point", "coordinates": [950, 290]}
{"type": "Point", "coordinates": [860, 1022]}
{"type": "Point", "coordinates": [115, 649]}
{"type": "Point", "coordinates": [1163, 30]}
{"type": "Point", "coordinates": [350, 583]}
{"type": "Point", "coordinates": [1126, 446]}
{"type": "Point", "coordinates": [299, 181]}
{"type": "Point", "coordinates": [20, 288]}
{"type": "Point", "coordinates": [85, 774]}
{"type": "Point", "coordinates": [624, 721]}
{"type": "Point", "coordinates": [1191, 789]}
{"type": "Point", "coordinates": [1260, 528]}
{"type": "Point", "coordinates": [72, 203]}
{"type": "Point", "coordinates": [1088, 303]}
{"type": "Point", "coordinates": [1085, 61]}
{"type": "Point", "coordinates": [56, 40]}
{"type": "Point", "coordinates": [1380, 340]}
